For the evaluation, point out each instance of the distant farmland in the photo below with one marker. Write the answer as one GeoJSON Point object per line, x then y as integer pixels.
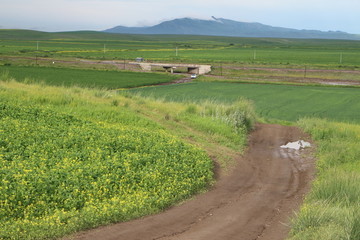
{"type": "Point", "coordinates": [325, 53]}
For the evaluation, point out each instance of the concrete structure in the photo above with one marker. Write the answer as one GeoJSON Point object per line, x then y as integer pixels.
{"type": "Point", "coordinates": [192, 68]}
{"type": "Point", "coordinates": [139, 59]}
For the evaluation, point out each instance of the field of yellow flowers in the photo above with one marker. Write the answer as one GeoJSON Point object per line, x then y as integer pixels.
{"type": "Point", "coordinates": [63, 172]}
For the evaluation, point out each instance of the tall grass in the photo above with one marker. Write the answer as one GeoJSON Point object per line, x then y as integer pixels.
{"type": "Point", "coordinates": [227, 123]}
{"type": "Point", "coordinates": [240, 114]}
{"type": "Point", "coordinates": [332, 209]}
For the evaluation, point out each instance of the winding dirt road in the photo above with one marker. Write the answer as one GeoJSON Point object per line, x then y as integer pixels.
{"type": "Point", "coordinates": [253, 201]}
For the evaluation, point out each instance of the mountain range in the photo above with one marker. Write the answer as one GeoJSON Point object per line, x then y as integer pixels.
{"type": "Point", "coordinates": [231, 28]}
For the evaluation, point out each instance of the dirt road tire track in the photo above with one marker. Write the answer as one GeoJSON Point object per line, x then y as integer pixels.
{"type": "Point", "coordinates": [254, 201]}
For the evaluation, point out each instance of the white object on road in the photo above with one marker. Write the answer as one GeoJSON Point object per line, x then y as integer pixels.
{"type": "Point", "coordinates": [297, 145]}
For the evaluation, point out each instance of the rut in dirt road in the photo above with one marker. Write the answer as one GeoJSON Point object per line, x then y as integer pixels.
{"type": "Point", "coordinates": [254, 201]}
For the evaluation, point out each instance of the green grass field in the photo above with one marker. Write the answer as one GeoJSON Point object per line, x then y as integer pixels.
{"type": "Point", "coordinates": [282, 102]}
{"type": "Point", "coordinates": [84, 78]}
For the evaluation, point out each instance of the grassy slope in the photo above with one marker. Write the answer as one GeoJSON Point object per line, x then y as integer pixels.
{"type": "Point", "coordinates": [63, 172]}
{"type": "Point", "coordinates": [220, 129]}
{"type": "Point", "coordinates": [281, 102]}
{"type": "Point", "coordinates": [107, 134]}
{"type": "Point", "coordinates": [85, 78]}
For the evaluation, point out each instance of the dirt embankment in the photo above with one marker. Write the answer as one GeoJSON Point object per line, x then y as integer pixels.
{"type": "Point", "coordinates": [253, 201]}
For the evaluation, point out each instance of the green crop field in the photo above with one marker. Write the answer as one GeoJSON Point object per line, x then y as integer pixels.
{"type": "Point", "coordinates": [75, 158]}
{"type": "Point", "coordinates": [72, 159]}
{"type": "Point", "coordinates": [84, 78]}
{"type": "Point", "coordinates": [325, 53]}
{"type": "Point", "coordinates": [282, 102]}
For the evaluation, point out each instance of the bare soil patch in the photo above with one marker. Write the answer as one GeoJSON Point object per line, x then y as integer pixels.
{"type": "Point", "coordinates": [335, 77]}
{"type": "Point", "coordinates": [252, 201]}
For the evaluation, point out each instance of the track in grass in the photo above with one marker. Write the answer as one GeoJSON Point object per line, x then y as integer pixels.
{"type": "Point", "coordinates": [252, 201]}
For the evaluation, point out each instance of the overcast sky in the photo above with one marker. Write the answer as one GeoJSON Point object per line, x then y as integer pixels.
{"type": "Point", "coordinates": [70, 15]}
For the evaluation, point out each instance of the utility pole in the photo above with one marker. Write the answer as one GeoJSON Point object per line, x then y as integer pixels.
{"type": "Point", "coordinates": [37, 46]}
{"type": "Point", "coordinates": [341, 58]}
{"type": "Point", "coordinates": [305, 72]}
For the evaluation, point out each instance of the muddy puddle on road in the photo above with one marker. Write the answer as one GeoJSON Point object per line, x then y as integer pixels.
{"type": "Point", "coordinates": [296, 152]}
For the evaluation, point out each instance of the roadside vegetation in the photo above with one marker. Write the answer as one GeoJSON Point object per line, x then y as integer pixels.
{"type": "Point", "coordinates": [76, 158]}
{"type": "Point", "coordinates": [332, 209]}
